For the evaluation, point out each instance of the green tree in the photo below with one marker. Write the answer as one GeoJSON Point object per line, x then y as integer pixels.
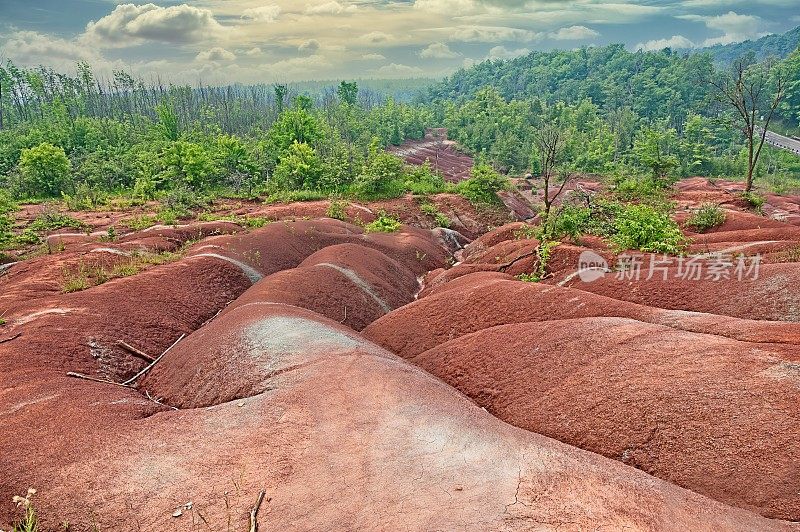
{"type": "Point", "coordinates": [300, 168]}
{"type": "Point", "coordinates": [296, 125]}
{"type": "Point", "coordinates": [348, 92]}
{"type": "Point", "coordinates": [45, 170]}
{"type": "Point", "coordinates": [188, 163]}
{"type": "Point", "coordinates": [754, 91]}
{"type": "Point", "coordinates": [655, 148]}
{"type": "Point", "coordinates": [380, 171]}
{"type": "Point", "coordinates": [167, 121]}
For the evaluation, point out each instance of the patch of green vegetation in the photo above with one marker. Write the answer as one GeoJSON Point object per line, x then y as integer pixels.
{"type": "Point", "coordinates": [483, 186]}
{"type": "Point", "coordinates": [644, 228]}
{"type": "Point", "coordinates": [141, 222]}
{"type": "Point", "coordinates": [89, 275]}
{"type": "Point", "coordinates": [754, 200]}
{"type": "Point", "coordinates": [432, 210]}
{"type": "Point", "coordinates": [544, 251]}
{"type": "Point", "coordinates": [51, 220]}
{"type": "Point", "coordinates": [290, 196]}
{"type": "Point", "coordinates": [384, 223]}
{"type": "Point", "coordinates": [337, 210]}
{"type": "Point", "coordinates": [244, 221]}
{"type": "Point", "coordinates": [708, 216]}
{"type": "Point", "coordinates": [629, 226]}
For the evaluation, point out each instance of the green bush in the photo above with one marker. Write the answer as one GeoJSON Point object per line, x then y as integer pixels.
{"type": "Point", "coordinates": [432, 210]}
{"type": "Point", "coordinates": [50, 220]}
{"type": "Point", "coordinates": [483, 186]}
{"type": "Point", "coordinates": [7, 209]}
{"type": "Point", "coordinates": [755, 201]}
{"type": "Point", "coordinates": [337, 210]}
{"type": "Point", "coordinates": [301, 168]}
{"type": "Point", "coordinates": [385, 223]}
{"type": "Point", "coordinates": [188, 163]}
{"type": "Point", "coordinates": [707, 217]}
{"type": "Point", "coordinates": [382, 175]}
{"type": "Point", "coordinates": [45, 170]}
{"type": "Point", "coordinates": [644, 228]}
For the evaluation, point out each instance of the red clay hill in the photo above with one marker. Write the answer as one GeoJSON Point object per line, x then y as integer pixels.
{"type": "Point", "coordinates": [363, 381]}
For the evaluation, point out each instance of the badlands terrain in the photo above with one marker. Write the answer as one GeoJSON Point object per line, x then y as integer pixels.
{"type": "Point", "coordinates": [401, 381]}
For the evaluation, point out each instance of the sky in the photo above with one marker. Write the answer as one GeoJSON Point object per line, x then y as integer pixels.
{"type": "Point", "coordinates": [256, 41]}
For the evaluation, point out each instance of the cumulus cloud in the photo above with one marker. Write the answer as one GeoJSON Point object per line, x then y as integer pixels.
{"type": "Point", "coordinates": [395, 70]}
{"type": "Point", "coordinates": [309, 47]}
{"type": "Point", "coordinates": [131, 24]}
{"type": "Point", "coordinates": [30, 47]}
{"type": "Point", "coordinates": [215, 54]}
{"type": "Point", "coordinates": [262, 13]}
{"type": "Point", "coordinates": [329, 8]}
{"type": "Point", "coordinates": [297, 67]}
{"type": "Point", "coordinates": [501, 52]}
{"type": "Point", "coordinates": [373, 57]}
{"type": "Point", "coordinates": [574, 33]}
{"type": "Point", "coordinates": [675, 42]}
{"type": "Point", "coordinates": [492, 34]}
{"type": "Point", "coordinates": [735, 27]}
{"type": "Point", "coordinates": [447, 7]}
{"type": "Point", "coordinates": [253, 52]}
{"type": "Point", "coordinates": [438, 50]}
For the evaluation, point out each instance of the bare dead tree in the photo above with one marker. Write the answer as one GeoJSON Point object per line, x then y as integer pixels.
{"type": "Point", "coordinates": [754, 90]}
{"type": "Point", "coordinates": [550, 141]}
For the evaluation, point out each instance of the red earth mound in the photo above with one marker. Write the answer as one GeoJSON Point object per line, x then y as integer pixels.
{"type": "Point", "coordinates": [482, 300]}
{"type": "Point", "coordinates": [663, 399]}
{"type": "Point", "coordinates": [341, 433]}
{"type": "Point", "coordinates": [329, 412]}
{"type": "Point", "coordinates": [350, 283]}
{"type": "Point", "coordinates": [45, 275]}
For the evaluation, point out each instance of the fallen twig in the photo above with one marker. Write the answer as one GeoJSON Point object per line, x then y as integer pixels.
{"type": "Point", "coordinates": [254, 511]}
{"type": "Point", "coordinates": [345, 315]}
{"type": "Point", "coordinates": [157, 400]}
{"type": "Point", "coordinates": [94, 379]}
{"type": "Point", "coordinates": [153, 363]}
{"type": "Point", "coordinates": [132, 350]}
{"type": "Point", "coordinates": [11, 338]}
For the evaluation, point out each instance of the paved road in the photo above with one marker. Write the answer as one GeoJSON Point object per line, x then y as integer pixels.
{"type": "Point", "coordinates": [779, 141]}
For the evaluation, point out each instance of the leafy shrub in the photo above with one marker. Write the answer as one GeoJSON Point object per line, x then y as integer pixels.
{"type": "Point", "coordinates": [381, 177]}
{"type": "Point", "coordinates": [188, 163]}
{"type": "Point", "coordinates": [337, 210]}
{"type": "Point", "coordinates": [432, 210]}
{"type": "Point", "coordinates": [301, 168]}
{"type": "Point", "coordinates": [644, 228]}
{"type": "Point", "coordinates": [141, 222]}
{"type": "Point", "coordinates": [756, 201]}
{"type": "Point", "coordinates": [50, 220]}
{"type": "Point", "coordinates": [708, 216]}
{"type": "Point", "coordinates": [483, 186]}
{"type": "Point", "coordinates": [45, 170]}
{"type": "Point", "coordinates": [572, 221]}
{"type": "Point", "coordinates": [423, 180]}
{"type": "Point", "coordinates": [84, 198]}
{"type": "Point", "coordinates": [7, 208]}
{"type": "Point", "coordinates": [385, 223]}
{"type": "Point", "coordinates": [634, 188]}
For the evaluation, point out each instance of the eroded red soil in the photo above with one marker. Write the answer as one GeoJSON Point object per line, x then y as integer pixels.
{"type": "Point", "coordinates": [366, 383]}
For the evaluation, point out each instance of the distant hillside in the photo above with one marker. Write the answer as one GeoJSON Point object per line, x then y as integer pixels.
{"type": "Point", "coordinates": [653, 84]}
{"type": "Point", "coordinates": [779, 44]}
